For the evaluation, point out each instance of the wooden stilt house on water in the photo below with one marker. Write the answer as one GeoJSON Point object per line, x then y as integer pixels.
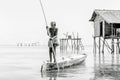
{"type": "Point", "coordinates": [106, 36]}
{"type": "Point", "coordinates": [106, 26]}
{"type": "Point", "coordinates": [106, 23]}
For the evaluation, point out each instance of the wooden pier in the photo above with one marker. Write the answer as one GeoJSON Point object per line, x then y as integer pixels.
{"type": "Point", "coordinates": [70, 42]}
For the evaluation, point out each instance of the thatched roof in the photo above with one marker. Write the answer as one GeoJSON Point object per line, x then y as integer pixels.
{"type": "Point", "coordinates": [110, 16]}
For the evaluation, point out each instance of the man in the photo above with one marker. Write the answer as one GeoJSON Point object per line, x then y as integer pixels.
{"type": "Point", "coordinates": [52, 43]}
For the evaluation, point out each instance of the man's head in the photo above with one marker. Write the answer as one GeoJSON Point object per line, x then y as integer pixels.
{"type": "Point", "coordinates": [53, 24]}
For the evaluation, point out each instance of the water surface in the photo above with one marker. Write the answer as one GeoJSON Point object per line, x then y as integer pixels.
{"type": "Point", "coordinates": [23, 63]}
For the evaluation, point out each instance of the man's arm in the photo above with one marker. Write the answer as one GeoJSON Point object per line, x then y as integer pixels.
{"type": "Point", "coordinates": [56, 31]}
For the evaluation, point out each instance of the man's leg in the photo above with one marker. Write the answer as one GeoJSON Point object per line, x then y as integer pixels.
{"type": "Point", "coordinates": [50, 53]}
{"type": "Point", "coordinates": [54, 54]}
{"type": "Point", "coordinates": [55, 49]}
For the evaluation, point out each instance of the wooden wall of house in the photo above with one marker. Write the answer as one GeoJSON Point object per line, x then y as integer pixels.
{"type": "Point", "coordinates": [97, 30]}
{"type": "Point", "coordinates": [104, 29]}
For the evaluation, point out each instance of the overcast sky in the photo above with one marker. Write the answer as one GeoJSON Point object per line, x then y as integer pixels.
{"type": "Point", "coordinates": [23, 21]}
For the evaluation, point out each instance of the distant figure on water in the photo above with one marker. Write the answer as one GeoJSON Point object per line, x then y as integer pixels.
{"type": "Point", "coordinates": [52, 43]}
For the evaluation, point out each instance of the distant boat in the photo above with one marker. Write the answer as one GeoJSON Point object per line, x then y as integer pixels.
{"type": "Point", "coordinates": [64, 62]}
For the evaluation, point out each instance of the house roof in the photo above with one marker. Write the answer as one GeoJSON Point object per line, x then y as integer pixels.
{"type": "Point", "coordinates": [110, 16]}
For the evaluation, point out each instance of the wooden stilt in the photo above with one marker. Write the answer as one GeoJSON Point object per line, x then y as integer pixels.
{"type": "Point", "coordinates": [60, 46]}
{"type": "Point", "coordinates": [117, 51]}
{"type": "Point", "coordinates": [103, 51]}
{"type": "Point", "coordinates": [77, 43]}
{"type": "Point", "coordinates": [112, 52]}
{"type": "Point", "coordinates": [94, 48]}
{"type": "Point", "coordinates": [94, 51]}
{"type": "Point", "coordinates": [80, 46]}
{"type": "Point", "coordinates": [99, 52]}
{"type": "Point", "coordinates": [66, 46]}
{"type": "Point", "coordinates": [112, 44]}
{"type": "Point", "coordinates": [72, 46]}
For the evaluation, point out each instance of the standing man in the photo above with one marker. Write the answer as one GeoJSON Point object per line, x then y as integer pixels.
{"type": "Point", "coordinates": [52, 43]}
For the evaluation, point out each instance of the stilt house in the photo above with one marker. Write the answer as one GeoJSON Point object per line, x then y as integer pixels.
{"type": "Point", "coordinates": [106, 23]}
{"type": "Point", "coordinates": [106, 29]}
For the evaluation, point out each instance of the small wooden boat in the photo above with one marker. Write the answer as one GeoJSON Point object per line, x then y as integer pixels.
{"type": "Point", "coordinates": [64, 62]}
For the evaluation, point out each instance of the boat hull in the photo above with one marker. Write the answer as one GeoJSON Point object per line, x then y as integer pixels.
{"type": "Point", "coordinates": [64, 63]}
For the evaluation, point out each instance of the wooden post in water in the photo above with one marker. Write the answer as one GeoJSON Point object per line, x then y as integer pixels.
{"type": "Point", "coordinates": [99, 52]}
{"type": "Point", "coordinates": [117, 51]}
{"type": "Point", "coordinates": [103, 51]}
{"type": "Point", "coordinates": [112, 52]}
{"type": "Point", "coordinates": [60, 46]}
{"type": "Point", "coordinates": [77, 43]}
{"type": "Point", "coordinates": [112, 44]}
{"type": "Point", "coordinates": [72, 45]}
{"type": "Point", "coordinates": [94, 53]}
{"type": "Point", "coordinates": [103, 42]}
{"type": "Point", "coordinates": [80, 45]}
{"type": "Point", "coordinates": [94, 48]}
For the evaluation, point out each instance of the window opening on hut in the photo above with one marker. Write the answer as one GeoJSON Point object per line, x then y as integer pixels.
{"type": "Point", "coordinates": [116, 29]}
{"type": "Point", "coordinates": [108, 31]}
{"type": "Point", "coordinates": [101, 28]}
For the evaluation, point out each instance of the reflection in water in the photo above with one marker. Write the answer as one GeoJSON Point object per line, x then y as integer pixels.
{"type": "Point", "coordinates": [63, 73]}
{"type": "Point", "coordinates": [52, 75]}
{"type": "Point", "coordinates": [106, 71]}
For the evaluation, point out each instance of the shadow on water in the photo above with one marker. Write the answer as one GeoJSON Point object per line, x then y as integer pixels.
{"type": "Point", "coordinates": [63, 73]}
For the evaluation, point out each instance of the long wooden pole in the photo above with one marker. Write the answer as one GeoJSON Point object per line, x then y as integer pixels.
{"type": "Point", "coordinates": [43, 13]}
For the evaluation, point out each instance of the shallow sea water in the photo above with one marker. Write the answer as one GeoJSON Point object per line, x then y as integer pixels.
{"type": "Point", "coordinates": [23, 63]}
